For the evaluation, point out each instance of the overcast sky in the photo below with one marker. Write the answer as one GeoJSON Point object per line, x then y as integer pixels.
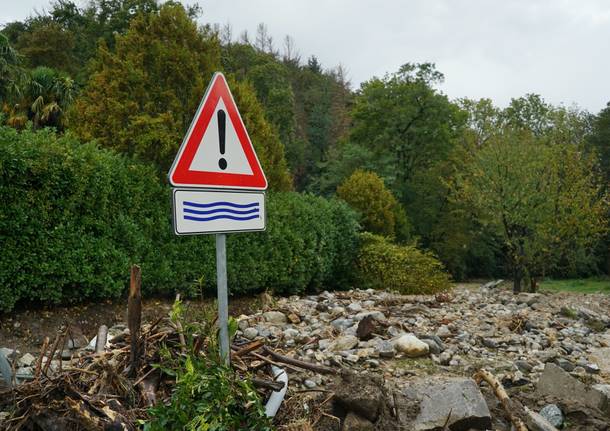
{"type": "Point", "coordinates": [486, 48]}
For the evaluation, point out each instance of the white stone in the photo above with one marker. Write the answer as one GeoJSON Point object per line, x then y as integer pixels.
{"type": "Point", "coordinates": [411, 346]}
{"type": "Point", "coordinates": [275, 317]}
{"type": "Point", "coordinates": [250, 333]}
{"type": "Point", "coordinates": [290, 333]}
{"type": "Point", "coordinates": [354, 307]}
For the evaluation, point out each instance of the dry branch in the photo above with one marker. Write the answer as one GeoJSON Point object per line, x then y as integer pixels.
{"type": "Point", "coordinates": [498, 389]}
{"type": "Point", "coordinates": [298, 363]}
{"type": "Point", "coordinates": [134, 316]}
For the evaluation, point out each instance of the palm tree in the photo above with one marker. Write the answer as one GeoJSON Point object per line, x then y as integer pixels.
{"type": "Point", "coordinates": [11, 73]}
{"type": "Point", "coordinates": [49, 93]}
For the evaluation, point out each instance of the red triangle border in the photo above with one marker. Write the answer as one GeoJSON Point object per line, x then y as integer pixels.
{"type": "Point", "coordinates": [181, 176]}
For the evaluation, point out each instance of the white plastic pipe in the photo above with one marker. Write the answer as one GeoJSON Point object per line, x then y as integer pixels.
{"type": "Point", "coordinates": [276, 397]}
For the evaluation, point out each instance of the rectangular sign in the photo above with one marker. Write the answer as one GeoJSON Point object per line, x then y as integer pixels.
{"type": "Point", "coordinates": [216, 211]}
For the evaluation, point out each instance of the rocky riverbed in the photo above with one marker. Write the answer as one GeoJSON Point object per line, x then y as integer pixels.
{"type": "Point", "coordinates": [407, 362]}
{"type": "Point", "coordinates": [550, 351]}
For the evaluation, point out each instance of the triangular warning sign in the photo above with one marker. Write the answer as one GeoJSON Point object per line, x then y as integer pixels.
{"type": "Point", "coordinates": [217, 151]}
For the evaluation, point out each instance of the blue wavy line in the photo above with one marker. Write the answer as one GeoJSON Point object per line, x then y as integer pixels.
{"type": "Point", "coordinates": [214, 204]}
{"type": "Point", "coordinates": [220, 210]}
{"type": "Point", "coordinates": [221, 217]}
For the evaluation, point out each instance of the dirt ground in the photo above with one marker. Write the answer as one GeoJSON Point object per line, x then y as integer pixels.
{"type": "Point", "coordinates": [25, 329]}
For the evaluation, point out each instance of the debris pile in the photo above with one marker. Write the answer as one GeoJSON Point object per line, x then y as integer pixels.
{"type": "Point", "coordinates": [475, 358]}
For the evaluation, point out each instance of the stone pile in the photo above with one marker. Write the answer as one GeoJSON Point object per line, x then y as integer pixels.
{"type": "Point", "coordinates": [519, 338]}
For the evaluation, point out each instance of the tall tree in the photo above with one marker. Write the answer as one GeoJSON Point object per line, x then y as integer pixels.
{"type": "Point", "coordinates": [543, 199]}
{"type": "Point", "coordinates": [141, 97]}
{"type": "Point", "coordinates": [599, 142]}
{"type": "Point", "coordinates": [11, 73]}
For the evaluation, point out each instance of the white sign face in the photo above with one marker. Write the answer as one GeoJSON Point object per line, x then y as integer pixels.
{"type": "Point", "coordinates": [207, 156]}
{"type": "Point", "coordinates": [215, 211]}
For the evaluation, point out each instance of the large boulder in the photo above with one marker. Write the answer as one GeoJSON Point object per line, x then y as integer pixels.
{"type": "Point", "coordinates": [558, 384]}
{"type": "Point", "coordinates": [455, 402]}
{"type": "Point", "coordinates": [362, 395]}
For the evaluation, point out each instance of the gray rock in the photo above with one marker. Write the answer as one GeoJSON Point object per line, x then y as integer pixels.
{"type": "Point", "coordinates": [435, 338]}
{"type": "Point", "coordinates": [564, 364]}
{"type": "Point", "coordinates": [290, 333]}
{"type": "Point", "coordinates": [66, 354]}
{"type": "Point", "coordinates": [536, 422]}
{"type": "Point", "coordinates": [601, 356]}
{"type": "Point", "coordinates": [385, 349]}
{"type": "Point", "coordinates": [309, 384]}
{"type": "Point", "coordinates": [377, 315]}
{"type": "Point", "coordinates": [591, 368]}
{"type": "Point", "coordinates": [353, 422]}
{"type": "Point", "coordinates": [553, 414]}
{"type": "Point", "coordinates": [360, 394]}
{"type": "Point", "coordinates": [445, 357]}
{"type": "Point", "coordinates": [560, 385]}
{"type": "Point", "coordinates": [250, 333]}
{"type": "Point", "coordinates": [489, 343]}
{"type": "Point", "coordinates": [344, 342]}
{"type": "Point", "coordinates": [434, 348]}
{"type": "Point", "coordinates": [341, 323]}
{"type": "Point", "coordinates": [354, 307]}
{"type": "Point", "coordinates": [524, 366]}
{"type": "Point", "coordinates": [324, 344]}
{"type": "Point", "coordinates": [243, 323]}
{"type": "Point", "coordinates": [443, 331]}
{"type": "Point", "coordinates": [455, 402]}
{"type": "Point", "coordinates": [275, 317]}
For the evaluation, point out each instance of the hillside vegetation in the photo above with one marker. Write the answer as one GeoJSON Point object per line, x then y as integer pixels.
{"type": "Point", "coordinates": [95, 101]}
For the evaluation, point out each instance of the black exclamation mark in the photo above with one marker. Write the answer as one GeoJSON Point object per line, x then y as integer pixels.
{"type": "Point", "coordinates": [222, 163]}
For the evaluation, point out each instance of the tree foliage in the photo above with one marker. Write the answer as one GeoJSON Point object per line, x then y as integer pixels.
{"type": "Point", "coordinates": [379, 210]}
{"type": "Point", "coordinates": [403, 268]}
{"type": "Point", "coordinates": [542, 199]}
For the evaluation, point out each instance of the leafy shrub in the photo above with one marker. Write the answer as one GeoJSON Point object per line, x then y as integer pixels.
{"type": "Point", "coordinates": [74, 217]}
{"type": "Point", "coordinates": [403, 268]}
{"type": "Point", "coordinates": [380, 211]}
{"type": "Point", "coordinates": [208, 395]}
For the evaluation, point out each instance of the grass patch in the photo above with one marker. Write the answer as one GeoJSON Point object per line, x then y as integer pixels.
{"type": "Point", "coordinates": [587, 285]}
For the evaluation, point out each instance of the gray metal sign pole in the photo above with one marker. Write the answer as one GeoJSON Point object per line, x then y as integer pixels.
{"type": "Point", "coordinates": [223, 297]}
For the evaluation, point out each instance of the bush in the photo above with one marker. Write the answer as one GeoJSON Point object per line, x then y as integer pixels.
{"type": "Point", "coordinates": [379, 210]}
{"type": "Point", "coordinates": [208, 395]}
{"type": "Point", "coordinates": [75, 217]}
{"type": "Point", "coordinates": [403, 268]}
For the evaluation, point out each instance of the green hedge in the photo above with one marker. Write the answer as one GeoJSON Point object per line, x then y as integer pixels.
{"type": "Point", "coordinates": [403, 268]}
{"type": "Point", "coordinates": [75, 217]}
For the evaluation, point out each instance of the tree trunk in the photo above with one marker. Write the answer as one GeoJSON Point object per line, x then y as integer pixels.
{"type": "Point", "coordinates": [533, 284]}
{"type": "Point", "coordinates": [517, 275]}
